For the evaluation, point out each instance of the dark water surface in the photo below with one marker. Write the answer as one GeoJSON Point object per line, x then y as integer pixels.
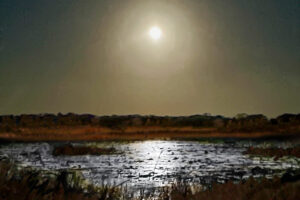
{"type": "Point", "coordinates": [151, 164]}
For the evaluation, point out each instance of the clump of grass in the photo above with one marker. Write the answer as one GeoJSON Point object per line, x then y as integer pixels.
{"type": "Point", "coordinates": [210, 141]}
{"type": "Point", "coordinates": [252, 189]}
{"type": "Point", "coordinates": [274, 152]}
{"type": "Point", "coordinates": [71, 150]}
{"type": "Point", "coordinates": [27, 184]}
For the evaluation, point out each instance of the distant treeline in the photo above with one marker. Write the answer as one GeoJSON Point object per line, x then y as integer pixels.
{"type": "Point", "coordinates": [241, 122]}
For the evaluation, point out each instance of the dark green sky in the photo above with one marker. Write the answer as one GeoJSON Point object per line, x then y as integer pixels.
{"type": "Point", "coordinates": [94, 56]}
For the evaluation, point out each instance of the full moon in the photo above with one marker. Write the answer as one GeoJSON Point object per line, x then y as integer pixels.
{"type": "Point", "coordinates": [155, 32]}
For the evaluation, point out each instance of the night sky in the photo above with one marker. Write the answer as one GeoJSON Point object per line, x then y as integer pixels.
{"type": "Point", "coordinates": [95, 56]}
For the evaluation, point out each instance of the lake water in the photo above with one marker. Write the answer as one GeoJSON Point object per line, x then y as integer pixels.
{"type": "Point", "coordinates": [152, 164]}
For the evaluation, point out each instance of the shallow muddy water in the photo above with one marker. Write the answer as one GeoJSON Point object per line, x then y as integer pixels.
{"type": "Point", "coordinates": [151, 164]}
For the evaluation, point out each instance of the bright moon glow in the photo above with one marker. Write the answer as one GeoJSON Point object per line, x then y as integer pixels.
{"type": "Point", "coordinates": [155, 33]}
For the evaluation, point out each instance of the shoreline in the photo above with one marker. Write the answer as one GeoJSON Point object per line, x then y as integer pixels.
{"type": "Point", "coordinates": [134, 136]}
{"type": "Point", "coordinates": [87, 127]}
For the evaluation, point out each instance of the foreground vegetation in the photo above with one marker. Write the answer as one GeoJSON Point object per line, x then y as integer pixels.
{"type": "Point", "coordinates": [28, 183]}
{"type": "Point", "coordinates": [251, 189]}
